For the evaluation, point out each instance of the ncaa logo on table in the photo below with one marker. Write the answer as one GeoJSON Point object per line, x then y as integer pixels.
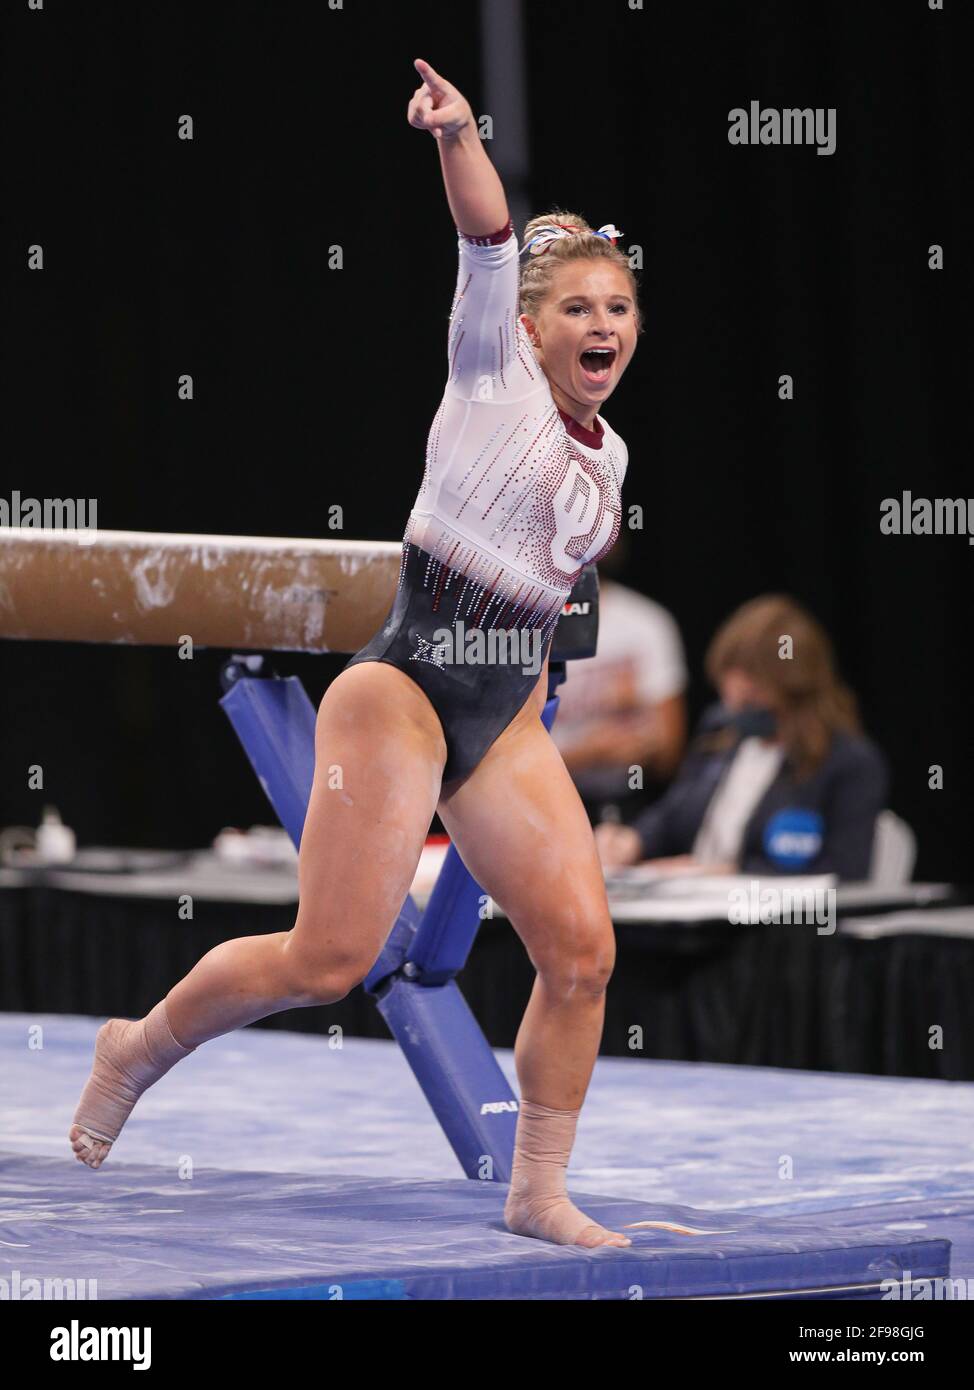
{"type": "Point", "coordinates": [793, 837]}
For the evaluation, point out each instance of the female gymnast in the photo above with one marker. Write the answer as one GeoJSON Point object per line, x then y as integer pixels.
{"type": "Point", "coordinates": [520, 490]}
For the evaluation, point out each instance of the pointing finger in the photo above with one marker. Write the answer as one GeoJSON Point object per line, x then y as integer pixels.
{"type": "Point", "coordinates": [432, 78]}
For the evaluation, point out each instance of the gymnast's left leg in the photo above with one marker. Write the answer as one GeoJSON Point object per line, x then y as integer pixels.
{"type": "Point", "coordinates": [519, 825]}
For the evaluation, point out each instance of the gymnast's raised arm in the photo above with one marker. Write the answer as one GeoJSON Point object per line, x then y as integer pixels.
{"type": "Point", "coordinates": [473, 187]}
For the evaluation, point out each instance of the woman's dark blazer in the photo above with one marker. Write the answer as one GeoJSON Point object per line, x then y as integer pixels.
{"type": "Point", "coordinates": [823, 823]}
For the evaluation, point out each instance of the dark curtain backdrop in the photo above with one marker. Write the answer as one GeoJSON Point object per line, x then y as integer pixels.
{"type": "Point", "coordinates": [316, 387]}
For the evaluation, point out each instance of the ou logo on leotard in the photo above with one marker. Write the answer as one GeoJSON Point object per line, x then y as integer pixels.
{"type": "Point", "coordinates": [575, 504]}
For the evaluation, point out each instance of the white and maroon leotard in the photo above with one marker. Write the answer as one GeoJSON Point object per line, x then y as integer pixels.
{"type": "Point", "coordinates": [516, 496]}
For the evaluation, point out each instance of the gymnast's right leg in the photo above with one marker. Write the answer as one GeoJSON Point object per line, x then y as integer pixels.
{"type": "Point", "coordinates": [379, 756]}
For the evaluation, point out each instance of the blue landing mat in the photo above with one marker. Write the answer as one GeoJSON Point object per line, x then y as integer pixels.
{"type": "Point", "coordinates": [143, 1234]}
{"type": "Point", "coordinates": [894, 1155]}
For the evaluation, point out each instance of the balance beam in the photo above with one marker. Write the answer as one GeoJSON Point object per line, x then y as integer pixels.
{"type": "Point", "coordinates": [152, 588]}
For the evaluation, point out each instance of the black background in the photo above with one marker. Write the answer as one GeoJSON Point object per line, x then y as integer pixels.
{"type": "Point", "coordinates": [317, 387]}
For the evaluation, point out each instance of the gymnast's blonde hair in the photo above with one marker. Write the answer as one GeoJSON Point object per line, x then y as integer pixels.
{"type": "Point", "coordinates": [538, 272]}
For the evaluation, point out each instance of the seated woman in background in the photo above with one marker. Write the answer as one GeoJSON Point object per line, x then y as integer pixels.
{"type": "Point", "coordinates": [780, 778]}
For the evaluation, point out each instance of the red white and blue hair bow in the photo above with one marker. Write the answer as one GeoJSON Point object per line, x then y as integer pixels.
{"type": "Point", "coordinates": [554, 231]}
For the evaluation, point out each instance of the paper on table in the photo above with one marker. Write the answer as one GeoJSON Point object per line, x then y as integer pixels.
{"type": "Point", "coordinates": [641, 882]}
{"type": "Point", "coordinates": [943, 921]}
{"type": "Point", "coordinates": [720, 885]}
{"type": "Point", "coordinates": [730, 898]}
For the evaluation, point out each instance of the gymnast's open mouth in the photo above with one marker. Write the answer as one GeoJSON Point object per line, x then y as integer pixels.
{"type": "Point", "coordinates": [596, 363]}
